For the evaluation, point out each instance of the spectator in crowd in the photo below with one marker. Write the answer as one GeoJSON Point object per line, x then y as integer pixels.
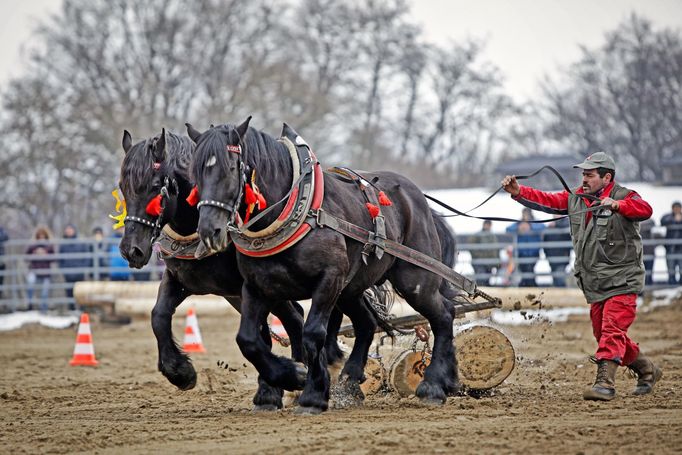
{"type": "Point", "coordinates": [78, 258]}
{"type": "Point", "coordinates": [119, 269]}
{"type": "Point", "coordinates": [558, 256]}
{"type": "Point", "coordinates": [649, 249]}
{"type": "Point", "coordinates": [673, 232]}
{"type": "Point", "coordinates": [39, 274]}
{"type": "Point", "coordinates": [484, 260]}
{"type": "Point", "coordinates": [527, 232]}
{"type": "Point", "coordinates": [100, 251]}
{"type": "Point", "coordinates": [3, 238]}
{"type": "Point", "coordinates": [610, 287]}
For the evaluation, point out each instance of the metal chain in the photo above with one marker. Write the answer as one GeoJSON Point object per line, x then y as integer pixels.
{"type": "Point", "coordinates": [283, 341]}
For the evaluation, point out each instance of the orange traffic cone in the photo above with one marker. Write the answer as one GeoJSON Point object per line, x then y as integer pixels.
{"type": "Point", "coordinates": [193, 341]}
{"type": "Point", "coordinates": [84, 352]}
{"type": "Point", "coordinates": [278, 333]}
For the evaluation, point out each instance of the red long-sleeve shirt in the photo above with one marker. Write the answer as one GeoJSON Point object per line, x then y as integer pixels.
{"type": "Point", "coordinates": [632, 207]}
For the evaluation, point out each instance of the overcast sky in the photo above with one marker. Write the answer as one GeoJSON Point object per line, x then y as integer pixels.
{"type": "Point", "coordinates": [526, 38]}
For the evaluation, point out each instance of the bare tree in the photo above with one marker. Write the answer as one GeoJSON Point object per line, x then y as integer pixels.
{"type": "Point", "coordinates": [625, 98]}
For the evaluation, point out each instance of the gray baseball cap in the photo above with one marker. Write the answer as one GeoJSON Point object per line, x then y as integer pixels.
{"type": "Point", "coordinates": [597, 160]}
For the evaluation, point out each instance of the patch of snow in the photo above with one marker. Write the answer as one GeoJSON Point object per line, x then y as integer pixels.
{"type": "Point", "coordinates": [16, 320]}
{"type": "Point", "coordinates": [527, 317]}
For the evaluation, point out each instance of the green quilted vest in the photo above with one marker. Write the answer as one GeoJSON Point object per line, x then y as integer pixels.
{"type": "Point", "coordinates": [608, 251]}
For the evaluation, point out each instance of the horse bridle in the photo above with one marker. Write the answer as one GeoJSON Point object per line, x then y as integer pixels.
{"type": "Point", "coordinates": [156, 224]}
{"type": "Point", "coordinates": [231, 208]}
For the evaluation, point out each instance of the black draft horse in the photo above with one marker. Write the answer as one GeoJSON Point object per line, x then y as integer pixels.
{"type": "Point", "coordinates": [148, 166]}
{"type": "Point", "coordinates": [318, 266]}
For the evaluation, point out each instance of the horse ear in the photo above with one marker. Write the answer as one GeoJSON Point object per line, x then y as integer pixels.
{"type": "Point", "coordinates": [243, 128]}
{"type": "Point", "coordinates": [127, 141]}
{"type": "Point", "coordinates": [159, 151]}
{"type": "Point", "coordinates": [192, 133]}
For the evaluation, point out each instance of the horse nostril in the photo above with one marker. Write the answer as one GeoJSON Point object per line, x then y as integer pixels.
{"type": "Point", "coordinates": [216, 233]}
{"type": "Point", "coordinates": [135, 253]}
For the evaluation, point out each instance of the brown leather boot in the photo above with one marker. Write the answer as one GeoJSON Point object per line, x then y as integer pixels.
{"type": "Point", "coordinates": [647, 374]}
{"type": "Point", "coordinates": [604, 387]}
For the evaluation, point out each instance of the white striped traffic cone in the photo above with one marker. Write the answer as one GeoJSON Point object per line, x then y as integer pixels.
{"type": "Point", "coordinates": [192, 341]}
{"type": "Point", "coordinates": [84, 352]}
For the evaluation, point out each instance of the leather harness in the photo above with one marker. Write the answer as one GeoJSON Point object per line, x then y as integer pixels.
{"type": "Point", "coordinates": [303, 212]}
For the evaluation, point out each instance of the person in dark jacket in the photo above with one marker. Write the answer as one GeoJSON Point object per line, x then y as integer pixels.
{"type": "Point", "coordinates": [484, 260]}
{"type": "Point", "coordinates": [558, 256]}
{"type": "Point", "coordinates": [78, 258]}
{"type": "Point", "coordinates": [39, 274]}
{"type": "Point", "coordinates": [608, 264]}
{"type": "Point", "coordinates": [528, 256]}
{"type": "Point", "coordinates": [673, 232]}
{"type": "Point", "coordinates": [100, 251]}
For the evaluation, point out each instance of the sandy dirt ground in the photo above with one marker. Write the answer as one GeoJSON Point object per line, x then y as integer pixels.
{"type": "Point", "coordinates": [126, 406]}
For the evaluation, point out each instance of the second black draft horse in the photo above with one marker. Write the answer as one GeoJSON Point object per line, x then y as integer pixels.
{"type": "Point", "coordinates": [324, 265]}
{"type": "Point", "coordinates": [155, 172]}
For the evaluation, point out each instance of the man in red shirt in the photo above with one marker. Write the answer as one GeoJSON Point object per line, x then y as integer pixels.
{"type": "Point", "coordinates": [608, 264]}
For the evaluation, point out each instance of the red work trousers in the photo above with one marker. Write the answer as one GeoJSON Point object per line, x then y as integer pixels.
{"type": "Point", "coordinates": [611, 319]}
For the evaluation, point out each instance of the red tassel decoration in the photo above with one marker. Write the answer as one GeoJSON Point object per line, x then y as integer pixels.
{"type": "Point", "coordinates": [193, 197]}
{"type": "Point", "coordinates": [383, 199]}
{"type": "Point", "coordinates": [249, 196]}
{"type": "Point", "coordinates": [373, 210]}
{"type": "Point", "coordinates": [154, 206]}
{"type": "Point", "coordinates": [261, 201]}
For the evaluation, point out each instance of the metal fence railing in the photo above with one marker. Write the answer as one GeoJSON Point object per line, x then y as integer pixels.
{"type": "Point", "coordinates": [499, 263]}
{"type": "Point", "coordinates": [44, 278]}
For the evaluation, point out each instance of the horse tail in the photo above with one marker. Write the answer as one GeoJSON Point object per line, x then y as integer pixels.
{"type": "Point", "coordinates": [448, 250]}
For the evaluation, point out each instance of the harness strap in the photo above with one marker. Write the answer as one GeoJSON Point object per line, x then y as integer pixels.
{"type": "Point", "coordinates": [368, 190]}
{"type": "Point", "coordinates": [175, 246]}
{"type": "Point", "coordinates": [398, 250]}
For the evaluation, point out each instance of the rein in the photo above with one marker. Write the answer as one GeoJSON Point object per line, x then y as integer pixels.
{"type": "Point", "coordinates": [521, 177]}
{"type": "Point", "coordinates": [595, 208]}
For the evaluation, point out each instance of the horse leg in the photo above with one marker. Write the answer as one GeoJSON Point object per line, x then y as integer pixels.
{"type": "Point", "coordinates": [315, 396]}
{"type": "Point", "coordinates": [347, 392]}
{"type": "Point", "coordinates": [173, 363]}
{"type": "Point", "coordinates": [420, 289]}
{"type": "Point", "coordinates": [331, 344]}
{"type": "Point", "coordinates": [275, 370]}
{"type": "Point", "coordinates": [268, 398]}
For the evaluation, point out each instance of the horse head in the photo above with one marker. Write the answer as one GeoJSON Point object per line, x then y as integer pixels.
{"type": "Point", "coordinates": [219, 171]}
{"type": "Point", "coordinates": [150, 191]}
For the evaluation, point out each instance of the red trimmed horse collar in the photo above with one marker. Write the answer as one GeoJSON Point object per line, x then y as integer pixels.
{"type": "Point", "coordinates": [306, 193]}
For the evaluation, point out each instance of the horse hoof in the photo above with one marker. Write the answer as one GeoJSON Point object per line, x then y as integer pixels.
{"type": "Point", "coordinates": [301, 375]}
{"type": "Point", "coordinates": [265, 408]}
{"type": "Point", "coordinates": [430, 394]}
{"type": "Point", "coordinates": [307, 411]}
{"type": "Point", "coordinates": [186, 379]}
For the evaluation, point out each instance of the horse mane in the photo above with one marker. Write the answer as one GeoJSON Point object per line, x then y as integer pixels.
{"type": "Point", "coordinates": [262, 152]}
{"type": "Point", "coordinates": [137, 164]}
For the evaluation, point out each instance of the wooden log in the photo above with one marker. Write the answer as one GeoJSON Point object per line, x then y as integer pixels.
{"type": "Point", "coordinates": [407, 371]}
{"type": "Point", "coordinates": [485, 358]}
